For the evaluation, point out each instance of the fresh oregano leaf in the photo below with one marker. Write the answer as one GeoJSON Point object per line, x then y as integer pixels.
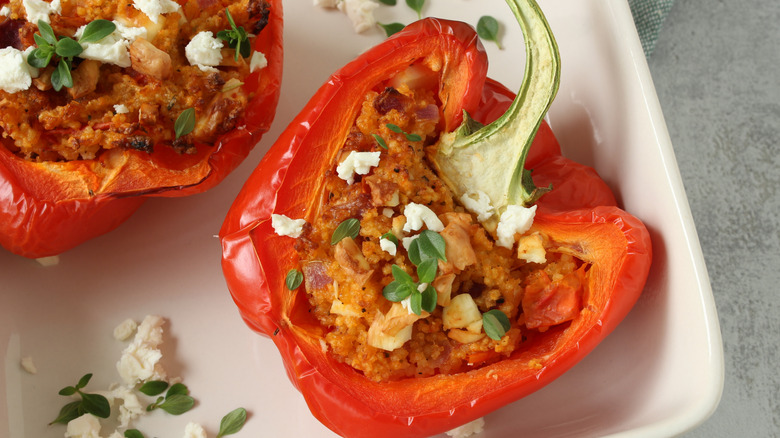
{"type": "Point", "coordinates": [68, 48]}
{"type": "Point", "coordinates": [429, 297]}
{"type": "Point", "coordinates": [96, 405]}
{"type": "Point", "coordinates": [391, 28]}
{"type": "Point", "coordinates": [47, 32]}
{"type": "Point", "coordinates": [294, 279]}
{"type": "Point", "coordinates": [380, 141]}
{"type": "Point", "coordinates": [68, 412]}
{"type": "Point", "coordinates": [495, 323]}
{"type": "Point", "coordinates": [185, 123]}
{"type": "Point", "coordinates": [153, 387]}
{"type": "Point", "coordinates": [177, 389]}
{"type": "Point", "coordinates": [348, 228]}
{"type": "Point", "coordinates": [400, 275]}
{"type": "Point", "coordinates": [417, 6]}
{"type": "Point", "coordinates": [415, 302]}
{"type": "Point", "coordinates": [133, 433]}
{"type": "Point", "coordinates": [177, 404]}
{"type": "Point", "coordinates": [432, 245]}
{"type": "Point", "coordinates": [61, 76]}
{"type": "Point", "coordinates": [40, 57]}
{"type": "Point", "coordinates": [391, 237]}
{"type": "Point", "coordinates": [388, 2]}
{"type": "Point", "coordinates": [84, 381]}
{"type": "Point", "coordinates": [232, 422]}
{"type": "Point", "coordinates": [487, 29]}
{"type": "Point", "coordinates": [397, 291]}
{"type": "Point", "coordinates": [415, 256]}
{"type": "Point", "coordinates": [426, 270]}
{"type": "Point", "coordinates": [68, 390]}
{"type": "Point", "coordinates": [97, 30]}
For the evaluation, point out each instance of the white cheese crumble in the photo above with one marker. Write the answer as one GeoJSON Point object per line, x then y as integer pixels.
{"type": "Point", "coordinates": [28, 365]}
{"type": "Point", "coordinates": [357, 163]}
{"type": "Point", "coordinates": [131, 408]}
{"type": "Point", "coordinates": [48, 261]}
{"type": "Point", "coordinates": [478, 202]}
{"type": "Point", "coordinates": [154, 8]}
{"type": "Point", "coordinates": [360, 12]}
{"type": "Point", "coordinates": [284, 226]}
{"type": "Point", "coordinates": [388, 212]}
{"type": "Point", "coordinates": [516, 219]}
{"type": "Point", "coordinates": [417, 215]}
{"type": "Point", "coordinates": [467, 429]}
{"type": "Point", "coordinates": [388, 246]}
{"type": "Point", "coordinates": [121, 108]}
{"type": "Point", "coordinates": [85, 426]}
{"type": "Point", "coordinates": [125, 329]}
{"type": "Point", "coordinates": [140, 359]}
{"type": "Point", "coordinates": [406, 241]}
{"type": "Point", "coordinates": [204, 50]}
{"type": "Point", "coordinates": [257, 61]}
{"type": "Point", "coordinates": [112, 49]}
{"type": "Point", "coordinates": [194, 430]}
{"type": "Point", "coordinates": [5, 11]}
{"type": "Point", "coordinates": [40, 10]}
{"type": "Point", "coordinates": [15, 73]}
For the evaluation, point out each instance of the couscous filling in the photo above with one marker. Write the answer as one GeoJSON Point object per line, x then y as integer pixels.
{"type": "Point", "coordinates": [531, 283]}
{"type": "Point", "coordinates": [130, 88]}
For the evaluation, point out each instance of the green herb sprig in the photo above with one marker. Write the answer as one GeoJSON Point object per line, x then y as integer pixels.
{"type": "Point", "coordinates": [397, 129]}
{"type": "Point", "coordinates": [424, 252]}
{"type": "Point", "coordinates": [391, 28]}
{"type": "Point", "coordinates": [388, 2]}
{"type": "Point", "coordinates": [487, 29]}
{"type": "Point", "coordinates": [94, 404]}
{"type": "Point", "coordinates": [380, 141]}
{"type": "Point", "coordinates": [417, 6]}
{"type": "Point", "coordinates": [495, 323]}
{"type": "Point", "coordinates": [348, 228]}
{"type": "Point", "coordinates": [185, 123]}
{"type": "Point", "coordinates": [63, 49]}
{"type": "Point", "coordinates": [175, 402]}
{"type": "Point", "coordinates": [232, 422]}
{"type": "Point", "coordinates": [294, 279]}
{"type": "Point", "coordinates": [236, 38]}
{"type": "Point", "coordinates": [133, 433]}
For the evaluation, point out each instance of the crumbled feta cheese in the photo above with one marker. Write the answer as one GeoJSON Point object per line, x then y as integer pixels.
{"type": "Point", "coordinates": [28, 365]}
{"type": "Point", "coordinates": [417, 215]}
{"type": "Point", "coordinates": [257, 61]}
{"type": "Point", "coordinates": [85, 426]}
{"type": "Point", "coordinates": [388, 246]}
{"type": "Point", "coordinates": [15, 73]}
{"type": "Point", "coordinates": [5, 10]}
{"type": "Point", "coordinates": [478, 202]}
{"type": "Point", "coordinates": [116, 434]}
{"type": "Point", "coordinates": [204, 50]}
{"type": "Point", "coordinates": [194, 430]}
{"type": "Point", "coordinates": [125, 329]}
{"type": "Point", "coordinates": [360, 12]}
{"type": "Point", "coordinates": [121, 109]}
{"type": "Point", "coordinates": [467, 429]}
{"type": "Point", "coordinates": [154, 8]}
{"type": "Point", "coordinates": [131, 408]}
{"type": "Point", "coordinates": [516, 219]}
{"type": "Point", "coordinates": [357, 163]}
{"type": "Point", "coordinates": [326, 3]}
{"type": "Point", "coordinates": [40, 10]}
{"type": "Point", "coordinates": [407, 304]}
{"type": "Point", "coordinates": [113, 48]}
{"type": "Point", "coordinates": [406, 241]}
{"type": "Point", "coordinates": [284, 226]}
{"type": "Point", "coordinates": [48, 261]}
{"type": "Point", "coordinates": [140, 359]}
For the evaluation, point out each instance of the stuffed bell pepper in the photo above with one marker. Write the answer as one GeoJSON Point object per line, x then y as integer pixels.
{"type": "Point", "coordinates": [395, 245]}
{"type": "Point", "coordinates": [105, 104]}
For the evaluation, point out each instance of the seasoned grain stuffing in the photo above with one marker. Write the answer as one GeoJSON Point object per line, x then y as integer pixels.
{"type": "Point", "coordinates": [400, 199]}
{"type": "Point", "coordinates": [128, 88]}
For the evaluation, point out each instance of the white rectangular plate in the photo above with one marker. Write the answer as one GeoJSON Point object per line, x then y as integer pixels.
{"type": "Point", "coordinates": [659, 374]}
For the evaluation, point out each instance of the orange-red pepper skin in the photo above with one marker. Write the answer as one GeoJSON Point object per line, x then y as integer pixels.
{"type": "Point", "coordinates": [579, 216]}
{"type": "Point", "coordinates": [41, 216]}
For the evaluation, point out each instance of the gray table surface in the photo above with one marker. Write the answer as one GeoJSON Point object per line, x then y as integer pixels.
{"type": "Point", "coordinates": [715, 68]}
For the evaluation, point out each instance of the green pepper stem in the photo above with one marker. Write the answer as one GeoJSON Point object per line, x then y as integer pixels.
{"type": "Point", "coordinates": [491, 158]}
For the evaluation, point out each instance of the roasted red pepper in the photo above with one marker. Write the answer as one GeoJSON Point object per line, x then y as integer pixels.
{"type": "Point", "coordinates": [579, 215]}
{"type": "Point", "coordinates": [43, 206]}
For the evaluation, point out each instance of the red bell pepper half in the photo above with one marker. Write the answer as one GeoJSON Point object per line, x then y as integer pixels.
{"type": "Point", "coordinates": [579, 215]}
{"type": "Point", "coordinates": [43, 207]}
